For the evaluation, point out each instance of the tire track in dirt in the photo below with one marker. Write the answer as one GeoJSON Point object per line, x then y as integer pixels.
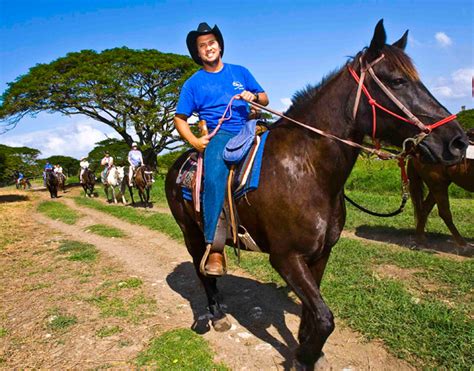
{"type": "Point", "coordinates": [264, 320]}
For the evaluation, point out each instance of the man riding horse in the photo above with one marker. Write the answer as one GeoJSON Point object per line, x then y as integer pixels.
{"type": "Point", "coordinates": [135, 159]}
{"type": "Point", "coordinates": [84, 164]}
{"type": "Point", "coordinates": [107, 162]}
{"type": "Point", "coordinates": [207, 93]}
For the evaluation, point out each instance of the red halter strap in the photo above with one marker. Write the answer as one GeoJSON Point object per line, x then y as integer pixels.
{"type": "Point", "coordinates": [373, 103]}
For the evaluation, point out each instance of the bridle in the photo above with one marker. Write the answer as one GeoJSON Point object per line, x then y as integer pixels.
{"type": "Point", "coordinates": [147, 176]}
{"type": "Point", "coordinates": [425, 130]}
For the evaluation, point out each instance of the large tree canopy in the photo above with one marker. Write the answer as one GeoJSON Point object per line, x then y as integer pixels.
{"type": "Point", "coordinates": [123, 88]}
{"type": "Point", "coordinates": [13, 159]}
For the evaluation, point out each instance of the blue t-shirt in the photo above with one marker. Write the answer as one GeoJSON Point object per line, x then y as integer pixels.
{"type": "Point", "coordinates": [209, 93]}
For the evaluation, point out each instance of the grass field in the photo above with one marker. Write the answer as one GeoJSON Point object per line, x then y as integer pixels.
{"type": "Point", "coordinates": [419, 304]}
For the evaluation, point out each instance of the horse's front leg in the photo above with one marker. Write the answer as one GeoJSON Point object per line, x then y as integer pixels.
{"type": "Point", "coordinates": [113, 195]}
{"type": "Point", "coordinates": [194, 240]}
{"type": "Point", "coordinates": [317, 321]}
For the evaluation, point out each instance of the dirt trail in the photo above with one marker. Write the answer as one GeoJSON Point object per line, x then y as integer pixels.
{"type": "Point", "coordinates": [264, 320]}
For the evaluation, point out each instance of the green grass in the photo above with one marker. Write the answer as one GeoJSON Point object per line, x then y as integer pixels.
{"type": "Point", "coordinates": [107, 331]}
{"type": "Point", "coordinates": [180, 349]}
{"type": "Point", "coordinates": [122, 299]}
{"type": "Point", "coordinates": [164, 223]}
{"type": "Point", "coordinates": [415, 322]}
{"type": "Point", "coordinates": [105, 231]}
{"type": "Point", "coordinates": [157, 194]}
{"type": "Point", "coordinates": [383, 177]}
{"type": "Point", "coordinates": [462, 210]}
{"type": "Point", "coordinates": [3, 332]}
{"type": "Point", "coordinates": [78, 251]}
{"type": "Point", "coordinates": [425, 317]}
{"type": "Point", "coordinates": [58, 320]}
{"type": "Point", "coordinates": [58, 211]}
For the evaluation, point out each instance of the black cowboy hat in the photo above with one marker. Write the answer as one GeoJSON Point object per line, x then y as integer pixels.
{"type": "Point", "coordinates": [203, 29]}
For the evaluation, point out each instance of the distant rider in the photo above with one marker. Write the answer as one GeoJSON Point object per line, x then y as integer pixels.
{"type": "Point", "coordinates": [108, 162]}
{"type": "Point", "coordinates": [47, 167]}
{"type": "Point", "coordinates": [135, 159]}
{"type": "Point", "coordinates": [20, 177]}
{"type": "Point", "coordinates": [84, 164]}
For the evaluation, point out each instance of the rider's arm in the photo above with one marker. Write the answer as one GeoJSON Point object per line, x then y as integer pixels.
{"type": "Point", "coordinates": [111, 161]}
{"type": "Point", "coordinates": [181, 124]}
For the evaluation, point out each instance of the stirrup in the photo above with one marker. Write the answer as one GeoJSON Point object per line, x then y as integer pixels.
{"type": "Point", "coordinates": [202, 265]}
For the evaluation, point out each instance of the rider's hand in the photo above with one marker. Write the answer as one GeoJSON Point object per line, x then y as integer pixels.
{"type": "Point", "coordinates": [200, 143]}
{"type": "Point", "coordinates": [247, 96]}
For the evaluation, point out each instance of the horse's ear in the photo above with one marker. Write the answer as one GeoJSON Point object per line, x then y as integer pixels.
{"type": "Point", "coordinates": [378, 40]}
{"type": "Point", "coordinates": [402, 43]}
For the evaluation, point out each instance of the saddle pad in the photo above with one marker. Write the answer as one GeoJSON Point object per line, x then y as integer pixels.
{"type": "Point", "coordinates": [470, 152]}
{"type": "Point", "coordinates": [252, 179]}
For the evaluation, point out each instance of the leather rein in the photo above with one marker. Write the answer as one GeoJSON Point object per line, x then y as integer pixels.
{"type": "Point", "coordinates": [425, 130]}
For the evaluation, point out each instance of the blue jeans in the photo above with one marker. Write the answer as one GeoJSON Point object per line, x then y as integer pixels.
{"type": "Point", "coordinates": [215, 180]}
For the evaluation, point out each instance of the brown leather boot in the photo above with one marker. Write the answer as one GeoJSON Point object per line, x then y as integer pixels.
{"type": "Point", "coordinates": [215, 265]}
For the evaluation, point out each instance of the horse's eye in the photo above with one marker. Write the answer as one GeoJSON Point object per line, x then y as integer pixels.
{"type": "Point", "coordinates": [397, 83]}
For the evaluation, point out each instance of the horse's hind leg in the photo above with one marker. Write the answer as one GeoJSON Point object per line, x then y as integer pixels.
{"type": "Point", "coordinates": [317, 321]}
{"type": "Point", "coordinates": [442, 200]}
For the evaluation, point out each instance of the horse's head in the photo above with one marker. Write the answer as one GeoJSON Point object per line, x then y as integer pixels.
{"type": "Point", "coordinates": [393, 82]}
{"type": "Point", "coordinates": [147, 175]}
{"type": "Point", "coordinates": [120, 173]}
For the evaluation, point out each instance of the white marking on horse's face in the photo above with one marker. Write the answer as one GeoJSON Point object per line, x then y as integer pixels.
{"type": "Point", "coordinates": [121, 172]}
{"type": "Point", "coordinates": [291, 166]}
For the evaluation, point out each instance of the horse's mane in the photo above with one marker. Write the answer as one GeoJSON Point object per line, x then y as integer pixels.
{"type": "Point", "coordinates": [393, 55]}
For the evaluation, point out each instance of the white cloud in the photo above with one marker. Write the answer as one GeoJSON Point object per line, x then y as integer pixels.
{"type": "Point", "coordinates": [443, 39]}
{"type": "Point", "coordinates": [458, 85]}
{"type": "Point", "coordinates": [286, 102]}
{"type": "Point", "coordinates": [74, 139]}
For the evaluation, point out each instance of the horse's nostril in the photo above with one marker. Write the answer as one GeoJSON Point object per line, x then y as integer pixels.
{"type": "Point", "coordinates": [459, 143]}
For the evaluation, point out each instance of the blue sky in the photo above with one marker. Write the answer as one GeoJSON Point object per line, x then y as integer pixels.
{"type": "Point", "coordinates": [285, 44]}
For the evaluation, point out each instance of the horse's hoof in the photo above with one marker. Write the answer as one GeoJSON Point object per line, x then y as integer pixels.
{"type": "Point", "coordinates": [222, 324]}
{"type": "Point", "coordinates": [320, 365]}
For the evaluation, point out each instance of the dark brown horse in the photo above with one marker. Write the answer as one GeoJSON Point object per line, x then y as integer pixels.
{"type": "Point", "coordinates": [52, 183]}
{"type": "Point", "coordinates": [437, 178]}
{"type": "Point", "coordinates": [143, 182]}
{"type": "Point", "coordinates": [88, 182]}
{"type": "Point", "coordinates": [297, 213]}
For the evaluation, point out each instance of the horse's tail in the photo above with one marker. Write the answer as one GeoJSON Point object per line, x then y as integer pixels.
{"type": "Point", "coordinates": [416, 187]}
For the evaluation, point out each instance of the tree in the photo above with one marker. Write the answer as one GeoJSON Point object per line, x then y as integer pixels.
{"type": "Point", "coordinates": [22, 159]}
{"type": "Point", "coordinates": [69, 164]}
{"type": "Point", "coordinates": [132, 91]}
{"type": "Point", "coordinates": [118, 149]}
{"type": "Point", "coordinates": [466, 118]}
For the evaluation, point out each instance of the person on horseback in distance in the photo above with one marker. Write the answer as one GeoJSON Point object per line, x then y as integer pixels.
{"type": "Point", "coordinates": [47, 167]}
{"type": "Point", "coordinates": [84, 164]}
{"type": "Point", "coordinates": [207, 93]}
{"type": "Point", "coordinates": [135, 159]}
{"type": "Point", "coordinates": [107, 162]}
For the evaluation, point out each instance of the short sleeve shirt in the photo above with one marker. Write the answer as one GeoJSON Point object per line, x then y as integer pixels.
{"type": "Point", "coordinates": [208, 94]}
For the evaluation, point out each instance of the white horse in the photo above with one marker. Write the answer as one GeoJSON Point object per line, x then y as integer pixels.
{"type": "Point", "coordinates": [114, 180]}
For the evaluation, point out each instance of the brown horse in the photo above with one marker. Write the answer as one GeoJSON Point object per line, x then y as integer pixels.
{"type": "Point", "coordinates": [88, 182]}
{"type": "Point", "coordinates": [23, 184]}
{"type": "Point", "coordinates": [61, 181]}
{"type": "Point", "coordinates": [437, 178]}
{"type": "Point", "coordinates": [297, 213]}
{"type": "Point", "coordinates": [143, 181]}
